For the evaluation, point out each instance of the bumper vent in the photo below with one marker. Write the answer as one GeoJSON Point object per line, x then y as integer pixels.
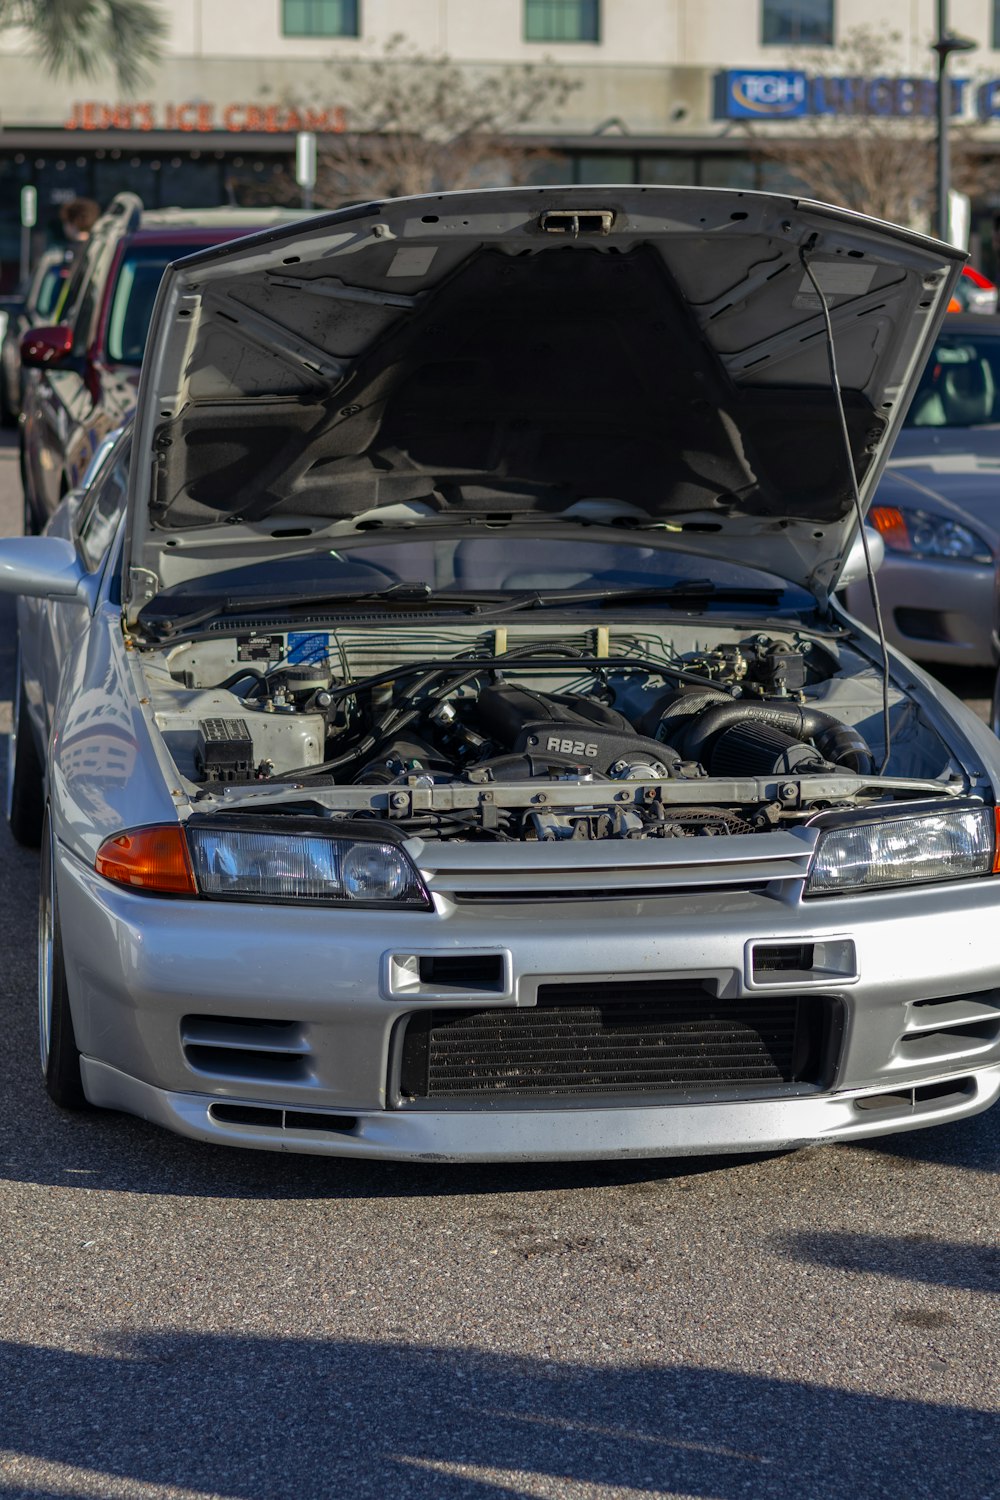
{"type": "Point", "coordinates": [265, 1117]}
{"type": "Point", "coordinates": [647, 1039]}
{"type": "Point", "coordinates": [474, 971]}
{"type": "Point", "coordinates": [923, 624]}
{"type": "Point", "coordinates": [941, 1033]}
{"type": "Point", "coordinates": [237, 1047]}
{"type": "Point", "coordinates": [782, 958]}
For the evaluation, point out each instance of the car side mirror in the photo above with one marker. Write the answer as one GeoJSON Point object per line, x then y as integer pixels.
{"type": "Point", "coordinates": [42, 567]}
{"type": "Point", "coordinates": [42, 347]}
{"type": "Point", "coordinates": [855, 566]}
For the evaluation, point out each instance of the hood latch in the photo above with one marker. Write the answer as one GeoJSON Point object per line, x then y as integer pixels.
{"type": "Point", "coordinates": [577, 221]}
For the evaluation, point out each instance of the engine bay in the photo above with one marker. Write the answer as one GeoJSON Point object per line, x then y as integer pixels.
{"type": "Point", "coordinates": [539, 734]}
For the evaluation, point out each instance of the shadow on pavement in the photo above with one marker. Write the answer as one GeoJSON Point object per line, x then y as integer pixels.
{"type": "Point", "coordinates": [100, 1151]}
{"type": "Point", "coordinates": [256, 1417]}
{"type": "Point", "coordinates": [972, 1144]}
{"type": "Point", "coordinates": [911, 1257]}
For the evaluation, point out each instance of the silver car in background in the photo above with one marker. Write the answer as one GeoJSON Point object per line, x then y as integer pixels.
{"type": "Point", "coordinates": [938, 506]}
{"type": "Point", "coordinates": [437, 717]}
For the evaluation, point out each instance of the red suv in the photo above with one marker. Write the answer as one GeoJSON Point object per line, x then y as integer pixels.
{"type": "Point", "coordinates": [83, 371]}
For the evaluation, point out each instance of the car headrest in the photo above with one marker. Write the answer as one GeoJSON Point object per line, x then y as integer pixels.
{"type": "Point", "coordinates": [967, 392]}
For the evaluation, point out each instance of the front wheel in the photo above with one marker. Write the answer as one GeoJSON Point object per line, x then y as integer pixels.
{"type": "Point", "coordinates": [29, 521]}
{"type": "Point", "coordinates": [8, 416]}
{"type": "Point", "coordinates": [57, 1047]}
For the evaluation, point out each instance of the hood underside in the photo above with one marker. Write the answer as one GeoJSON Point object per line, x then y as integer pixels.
{"type": "Point", "coordinates": [517, 352]}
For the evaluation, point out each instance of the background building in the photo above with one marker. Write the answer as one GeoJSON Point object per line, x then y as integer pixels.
{"type": "Point", "coordinates": [664, 91]}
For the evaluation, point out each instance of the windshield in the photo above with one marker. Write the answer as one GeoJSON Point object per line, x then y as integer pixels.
{"type": "Point", "coordinates": [49, 287]}
{"type": "Point", "coordinates": [501, 564]}
{"type": "Point", "coordinates": [136, 284]}
{"type": "Point", "coordinates": [960, 386]}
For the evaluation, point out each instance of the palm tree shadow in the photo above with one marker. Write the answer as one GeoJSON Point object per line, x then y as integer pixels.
{"type": "Point", "coordinates": [252, 1418]}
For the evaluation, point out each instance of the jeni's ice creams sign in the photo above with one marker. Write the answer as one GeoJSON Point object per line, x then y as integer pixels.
{"type": "Point", "coordinates": [198, 115]}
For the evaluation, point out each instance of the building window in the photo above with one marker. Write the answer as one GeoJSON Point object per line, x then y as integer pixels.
{"type": "Point", "coordinates": [562, 21]}
{"type": "Point", "coordinates": [793, 23]}
{"type": "Point", "coordinates": [319, 17]}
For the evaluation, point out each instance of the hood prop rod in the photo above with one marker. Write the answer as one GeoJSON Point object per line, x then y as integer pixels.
{"type": "Point", "coordinates": [831, 353]}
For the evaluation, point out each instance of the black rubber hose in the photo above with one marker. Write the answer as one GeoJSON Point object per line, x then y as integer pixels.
{"type": "Point", "coordinates": [837, 742]}
{"type": "Point", "coordinates": [241, 676]}
{"type": "Point", "coordinates": [458, 671]}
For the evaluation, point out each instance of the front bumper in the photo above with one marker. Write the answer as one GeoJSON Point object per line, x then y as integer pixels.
{"type": "Point", "coordinates": [557, 1135]}
{"type": "Point", "coordinates": [917, 982]}
{"type": "Point", "coordinates": [933, 611]}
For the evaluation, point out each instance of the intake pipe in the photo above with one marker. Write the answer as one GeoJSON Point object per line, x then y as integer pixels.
{"type": "Point", "coordinates": [837, 742]}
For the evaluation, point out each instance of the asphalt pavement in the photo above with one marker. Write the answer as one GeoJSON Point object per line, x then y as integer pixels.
{"type": "Point", "coordinates": [180, 1320]}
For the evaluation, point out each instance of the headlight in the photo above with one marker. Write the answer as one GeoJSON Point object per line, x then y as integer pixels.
{"type": "Point", "coordinates": [901, 851]}
{"type": "Point", "coordinates": [921, 534]}
{"type": "Point", "coordinates": [263, 864]}
{"type": "Point", "coordinates": [238, 863]}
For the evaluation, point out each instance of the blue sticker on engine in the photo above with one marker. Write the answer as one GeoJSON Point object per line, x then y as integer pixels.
{"type": "Point", "coordinates": [307, 646]}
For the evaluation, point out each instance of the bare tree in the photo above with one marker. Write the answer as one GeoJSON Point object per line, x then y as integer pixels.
{"type": "Point", "coordinates": [862, 159]}
{"type": "Point", "coordinates": [422, 123]}
{"type": "Point", "coordinates": [89, 37]}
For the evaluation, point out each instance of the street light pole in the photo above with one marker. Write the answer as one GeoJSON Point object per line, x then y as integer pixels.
{"type": "Point", "coordinates": [944, 46]}
{"type": "Point", "coordinates": [943, 102]}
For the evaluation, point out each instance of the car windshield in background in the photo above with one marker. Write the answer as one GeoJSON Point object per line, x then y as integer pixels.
{"type": "Point", "coordinates": [52, 282]}
{"type": "Point", "coordinates": [135, 289]}
{"type": "Point", "coordinates": [960, 386]}
{"type": "Point", "coordinates": [493, 564]}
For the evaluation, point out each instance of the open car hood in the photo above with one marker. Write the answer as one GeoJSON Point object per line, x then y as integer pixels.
{"type": "Point", "coordinates": [657, 355]}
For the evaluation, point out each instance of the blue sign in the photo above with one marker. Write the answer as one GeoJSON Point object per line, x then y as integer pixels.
{"type": "Point", "coordinates": [754, 95]}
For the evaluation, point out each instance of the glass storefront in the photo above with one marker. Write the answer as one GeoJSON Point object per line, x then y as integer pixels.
{"type": "Point", "coordinates": [204, 178]}
{"type": "Point", "coordinates": [195, 179]}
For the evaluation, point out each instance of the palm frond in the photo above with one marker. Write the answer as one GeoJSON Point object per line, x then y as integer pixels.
{"type": "Point", "coordinates": [85, 38]}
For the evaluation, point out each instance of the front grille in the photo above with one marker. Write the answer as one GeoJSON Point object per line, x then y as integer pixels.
{"type": "Point", "coordinates": [601, 893]}
{"type": "Point", "coordinates": [645, 1038]}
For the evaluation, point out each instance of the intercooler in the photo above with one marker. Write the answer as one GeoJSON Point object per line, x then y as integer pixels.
{"type": "Point", "coordinates": [644, 1039]}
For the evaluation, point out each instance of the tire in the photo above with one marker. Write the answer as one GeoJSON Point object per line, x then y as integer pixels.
{"type": "Point", "coordinates": [995, 707]}
{"type": "Point", "coordinates": [25, 778]}
{"type": "Point", "coordinates": [58, 1052]}
{"type": "Point", "coordinates": [8, 417]}
{"type": "Point", "coordinates": [29, 522]}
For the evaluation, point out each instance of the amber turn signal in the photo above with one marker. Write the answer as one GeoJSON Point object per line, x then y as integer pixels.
{"type": "Point", "coordinates": [889, 521]}
{"type": "Point", "coordinates": [149, 859]}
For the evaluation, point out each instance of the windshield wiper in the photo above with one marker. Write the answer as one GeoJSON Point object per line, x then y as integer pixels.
{"type": "Point", "coordinates": [689, 591]}
{"type": "Point", "coordinates": [408, 595]}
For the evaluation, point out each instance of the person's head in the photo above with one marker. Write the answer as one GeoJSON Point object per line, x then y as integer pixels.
{"type": "Point", "coordinates": [78, 217]}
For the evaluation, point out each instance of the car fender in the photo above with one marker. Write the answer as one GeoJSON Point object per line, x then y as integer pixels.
{"type": "Point", "coordinates": [105, 768]}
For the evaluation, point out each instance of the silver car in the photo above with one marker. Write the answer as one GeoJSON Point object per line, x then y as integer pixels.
{"type": "Point", "coordinates": [938, 505]}
{"type": "Point", "coordinates": [437, 717]}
